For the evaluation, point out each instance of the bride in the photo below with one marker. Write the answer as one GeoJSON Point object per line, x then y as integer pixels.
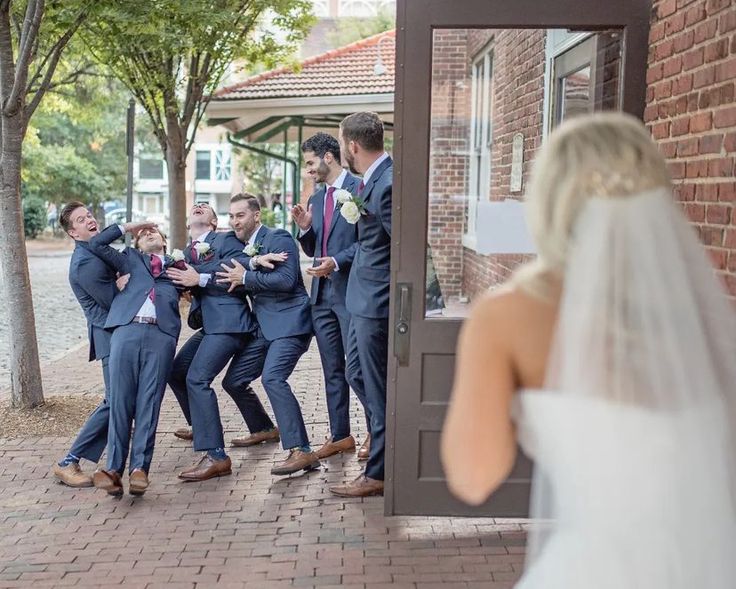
{"type": "Point", "coordinates": [611, 361]}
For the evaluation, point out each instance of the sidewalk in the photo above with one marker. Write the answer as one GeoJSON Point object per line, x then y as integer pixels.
{"type": "Point", "coordinates": [250, 529]}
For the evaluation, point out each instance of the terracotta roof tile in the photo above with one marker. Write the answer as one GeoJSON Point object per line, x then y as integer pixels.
{"type": "Point", "coordinates": [342, 71]}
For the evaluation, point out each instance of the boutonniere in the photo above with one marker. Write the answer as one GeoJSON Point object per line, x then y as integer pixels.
{"type": "Point", "coordinates": [252, 249]}
{"type": "Point", "coordinates": [176, 260]}
{"type": "Point", "coordinates": [204, 252]}
{"type": "Point", "coordinates": [351, 207]}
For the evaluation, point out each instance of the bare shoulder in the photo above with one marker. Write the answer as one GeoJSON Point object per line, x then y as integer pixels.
{"type": "Point", "coordinates": [505, 307]}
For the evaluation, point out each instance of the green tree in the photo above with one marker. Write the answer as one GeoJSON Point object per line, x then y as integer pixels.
{"type": "Point", "coordinates": [75, 148]}
{"type": "Point", "coordinates": [173, 55]}
{"type": "Point", "coordinates": [355, 28]}
{"type": "Point", "coordinates": [33, 37]}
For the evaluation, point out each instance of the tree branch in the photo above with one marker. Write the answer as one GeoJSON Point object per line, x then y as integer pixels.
{"type": "Point", "coordinates": [34, 13]}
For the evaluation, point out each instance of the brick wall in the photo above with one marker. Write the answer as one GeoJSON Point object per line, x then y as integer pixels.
{"type": "Point", "coordinates": [518, 84]}
{"type": "Point", "coordinates": [692, 114]}
{"type": "Point", "coordinates": [449, 136]}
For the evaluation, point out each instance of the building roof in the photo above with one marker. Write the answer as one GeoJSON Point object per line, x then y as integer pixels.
{"type": "Point", "coordinates": [348, 70]}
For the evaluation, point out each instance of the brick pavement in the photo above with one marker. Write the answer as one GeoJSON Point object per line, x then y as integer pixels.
{"type": "Point", "coordinates": [247, 530]}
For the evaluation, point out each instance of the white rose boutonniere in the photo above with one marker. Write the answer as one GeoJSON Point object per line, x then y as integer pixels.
{"type": "Point", "coordinates": [342, 196]}
{"type": "Point", "coordinates": [252, 249]}
{"type": "Point", "coordinates": [202, 248]}
{"type": "Point", "coordinates": [177, 255]}
{"type": "Point", "coordinates": [351, 207]}
{"type": "Point", "coordinates": [350, 212]}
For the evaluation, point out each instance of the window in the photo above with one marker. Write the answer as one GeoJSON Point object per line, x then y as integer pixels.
{"type": "Point", "coordinates": [203, 165]}
{"type": "Point", "coordinates": [481, 135]}
{"type": "Point", "coordinates": [150, 168]}
{"type": "Point", "coordinates": [223, 165]}
{"type": "Point", "coordinates": [357, 8]}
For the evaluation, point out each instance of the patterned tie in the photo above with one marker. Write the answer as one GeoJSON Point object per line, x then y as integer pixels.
{"type": "Point", "coordinates": [329, 210]}
{"type": "Point", "coordinates": [193, 251]}
{"type": "Point", "coordinates": [156, 269]}
{"type": "Point", "coordinates": [360, 188]}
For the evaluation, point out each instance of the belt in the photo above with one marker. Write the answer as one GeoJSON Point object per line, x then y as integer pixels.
{"type": "Point", "coordinates": [148, 320]}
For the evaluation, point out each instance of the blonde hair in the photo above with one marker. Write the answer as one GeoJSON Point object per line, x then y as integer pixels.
{"type": "Point", "coordinates": [600, 155]}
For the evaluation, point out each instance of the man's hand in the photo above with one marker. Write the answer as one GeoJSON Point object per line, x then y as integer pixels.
{"type": "Point", "coordinates": [268, 260]}
{"type": "Point", "coordinates": [302, 217]}
{"type": "Point", "coordinates": [188, 277]}
{"type": "Point", "coordinates": [122, 281]}
{"type": "Point", "coordinates": [232, 275]}
{"type": "Point", "coordinates": [325, 267]}
{"type": "Point", "coordinates": [135, 228]}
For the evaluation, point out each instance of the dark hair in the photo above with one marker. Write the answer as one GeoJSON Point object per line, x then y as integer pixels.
{"type": "Point", "coordinates": [137, 237]}
{"type": "Point", "coordinates": [365, 128]}
{"type": "Point", "coordinates": [65, 219]}
{"type": "Point", "coordinates": [249, 198]}
{"type": "Point", "coordinates": [320, 144]}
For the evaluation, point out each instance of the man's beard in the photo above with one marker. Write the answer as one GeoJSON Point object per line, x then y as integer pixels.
{"type": "Point", "coordinates": [351, 164]}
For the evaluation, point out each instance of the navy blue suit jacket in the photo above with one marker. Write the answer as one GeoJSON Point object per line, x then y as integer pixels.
{"type": "Point", "coordinates": [370, 274]}
{"type": "Point", "coordinates": [280, 301]}
{"type": "Point", "coordinates": [93, 283]}
{"type": "Point", "coordinates": [214, 308]}
{"type": "Point", "coordinates": [128, 302]}
{"type": "Point", "coordinates": [341, 240]}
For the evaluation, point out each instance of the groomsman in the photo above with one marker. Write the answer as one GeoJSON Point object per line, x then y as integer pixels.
{"type": "Point", "coordinates": [282, 307]}
{"type": "Point", "coordinates": [93, 283]}
{"type": "Point", "coordinates": [146, 324]}
{"type": "Point", "coordinates": [227, 325]}
{"type": "Point", "coordinates": [227, 319]}
{"type": "Point", "coordinates": [361, 144]}
{"type": "Point", "coordinates": [325, 235]}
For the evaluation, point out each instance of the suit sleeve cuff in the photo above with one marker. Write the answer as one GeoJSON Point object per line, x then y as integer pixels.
{"type": "Point", "coordinates": [337, 266]}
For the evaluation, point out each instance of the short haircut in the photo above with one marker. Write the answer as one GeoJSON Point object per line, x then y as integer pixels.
{"type": "Point", "coordinates": [65, 220]}
{"type": "Point", "coordinates": [320, 144]}
{"type": "Point", "coordinates": [206, 204]}
{"type": "Point", "coordinates": [138, 236]}
{"type": "Point", "coordinates": [365, 128]}
{"type": "Point", "coordinates": [250, 199]}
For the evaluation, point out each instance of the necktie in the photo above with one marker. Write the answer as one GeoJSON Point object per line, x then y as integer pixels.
{"type": "Point", "coordinates": [329, 210]}
{"type": "Point", "coordinates": [194, 251]}
{"type": "Point", "coordinates": [360, 188]}
{"type": "Point", "coordinates": [156, 268]}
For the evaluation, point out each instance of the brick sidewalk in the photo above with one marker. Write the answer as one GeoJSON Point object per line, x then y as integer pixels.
{"type": "Point", "coordinates": [250, 529]}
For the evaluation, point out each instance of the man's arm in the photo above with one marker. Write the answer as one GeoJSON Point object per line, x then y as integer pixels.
{"type": "Point", "coordinates": [344, 258]}
{"type": "Point", "coordinates": [100, 246]}
{"type": "Point", "coordinates": [285, 276]}
{"type": "Point", "coordinates": [89, 284]}
{"type": "Point", "coordinates": [384, 205]}
{"type": "Point", "coordinates": [308, 241]}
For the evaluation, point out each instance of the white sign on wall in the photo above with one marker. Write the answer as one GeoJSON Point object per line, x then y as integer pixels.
{"type": "Point", "coordinates": [517, 161]}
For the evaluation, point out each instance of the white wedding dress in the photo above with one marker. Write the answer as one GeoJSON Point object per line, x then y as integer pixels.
{"type": "Point", "coordinates": [634, 434]}
{"type": "Point", "coordinates": [636, 505]}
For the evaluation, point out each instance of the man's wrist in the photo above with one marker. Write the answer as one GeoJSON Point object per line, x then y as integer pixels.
{"type": "Point", "coordinates": [204, 280]}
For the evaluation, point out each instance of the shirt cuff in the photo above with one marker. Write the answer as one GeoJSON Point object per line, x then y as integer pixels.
{"type": "Point", "coordinates": [204, 280]}
{"type": "Point", "coordinates": [304, 231]}
{"type": "Point", "coordinates": [122, 229]}
{"type": "Point", "coordinates": [337, 266]}
{"type": "Point", "coordinates": [251, 264]}
{"type": "Point", "coordinates": [243, 279]}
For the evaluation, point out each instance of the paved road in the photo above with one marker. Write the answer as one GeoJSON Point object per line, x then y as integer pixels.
{"type": "Point", "coordinates": [60, 324]}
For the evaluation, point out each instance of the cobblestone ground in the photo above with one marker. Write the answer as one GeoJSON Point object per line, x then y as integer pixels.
{"type": "Point", "coordinates": [250, 529]}
{"type": "Point", "coordinates": [60, 324]}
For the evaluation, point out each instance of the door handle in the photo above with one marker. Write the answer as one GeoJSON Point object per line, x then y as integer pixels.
{"type": "Point", "coordinates": [402, 335]}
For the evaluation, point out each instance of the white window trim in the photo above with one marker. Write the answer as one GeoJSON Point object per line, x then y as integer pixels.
{"type": "Point", "coordinates": [479, 152]}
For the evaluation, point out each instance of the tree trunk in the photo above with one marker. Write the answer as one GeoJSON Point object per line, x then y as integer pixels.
{"type": "Point", "coordinates": [25, 369]}
{"type": "Point", "coordinates": [176, 167]}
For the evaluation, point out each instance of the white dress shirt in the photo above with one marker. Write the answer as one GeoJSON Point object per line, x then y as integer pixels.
{"type": "Point", "coordinates": [203, 278]}
{"type": "Point", "coordinates": [148, 309]}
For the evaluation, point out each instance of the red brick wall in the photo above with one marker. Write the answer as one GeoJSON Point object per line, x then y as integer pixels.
{"type": "Point", "coordinates": [518, 86]}
{"type": "Point", "coordinates": [692, 114]}
{"type": "Point", "coordinates": [449, 136]}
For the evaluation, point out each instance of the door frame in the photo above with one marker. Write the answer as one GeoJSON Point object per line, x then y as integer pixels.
{"type": "Point", "coordinates": [415, 23]}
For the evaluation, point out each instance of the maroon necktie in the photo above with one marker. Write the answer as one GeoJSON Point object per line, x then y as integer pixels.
{"type": "Point", "coordinates": [360, 188]}
{"type": "Point", "coordinates": [156, 268]}
{"type": "Point", "coordinates": [329, 210]}
{"type": "Point", "coordinates": [194, 251]}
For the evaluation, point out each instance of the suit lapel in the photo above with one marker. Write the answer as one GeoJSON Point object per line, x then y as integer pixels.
{"type": "Point", "coordinates": [146, 262]}
{"type": "Point", "coordinates": [261, 235]}
{"type": "Point", "coordinates": [318, 209]}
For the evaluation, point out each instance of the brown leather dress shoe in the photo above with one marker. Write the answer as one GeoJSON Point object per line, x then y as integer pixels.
{"type": "Point", "coordinates": [360, 487]}
{"type": "Point", "coordinates": [330, 448]}
{"type": "Point", "coordinates": [184, 433]}
{"type": "Point", "coordinates": [296, 461]}
{"type": "Point", "coordinates": [268, 436]}
{"type": "Point", "coordinates": [365, 449]}
{"type": "Point", "coordinates": [108, 480]}
{"type": "Point", "coordinates": [72, 476]}
{"type": "Point", "coordinates": [138, 482]}
{"type": "Point", "coordinates": [207, 468]}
